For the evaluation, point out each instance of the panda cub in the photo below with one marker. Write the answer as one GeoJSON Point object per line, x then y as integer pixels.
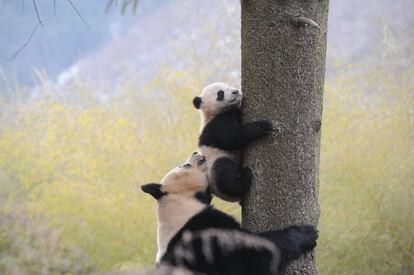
{"type": "Point", "coordinates": [196, 238]}
{"type": "Point", "coordinates": [222, 137]}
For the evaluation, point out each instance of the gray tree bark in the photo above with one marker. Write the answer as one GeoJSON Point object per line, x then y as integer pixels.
{"type": "Point", "coordinates": [283, 67]}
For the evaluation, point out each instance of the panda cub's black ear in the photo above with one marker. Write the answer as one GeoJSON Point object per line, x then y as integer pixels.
{"type": "Point", "coordinates": [197, 102]}
{"type": "Point", "coordinates": [153, 189]}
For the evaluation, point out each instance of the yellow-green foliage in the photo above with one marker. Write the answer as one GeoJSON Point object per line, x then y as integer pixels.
{"type": "Point", "coordinates": [81, 166]}
{"type": "Point", "coordinates": [367, 170]}
{"type": "Point", "coordinates": [28, 245]}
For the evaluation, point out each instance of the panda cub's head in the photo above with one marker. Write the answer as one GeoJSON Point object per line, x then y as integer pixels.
{"type": "Point", "coordinates": [182, 182]}
{"type": "Point", "coordinates": [216, 98]}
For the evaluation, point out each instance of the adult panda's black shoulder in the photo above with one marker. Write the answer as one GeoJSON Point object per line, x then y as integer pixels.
{"type": "Point", "coordinates": [196, 237]}
{"type": "Point", "coordinates": [214, 243]}
{"type": "Point", "coordinates": [223, 136]}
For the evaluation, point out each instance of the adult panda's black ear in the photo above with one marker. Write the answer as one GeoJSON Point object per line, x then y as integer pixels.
{"type": "Point", "coordinates": [154, 189]}
{"type": "Point", "coordinates": [197, 102]}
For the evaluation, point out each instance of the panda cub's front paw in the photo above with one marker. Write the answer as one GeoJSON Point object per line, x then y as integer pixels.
{"type": "Point", "coordinates": [265, 126]}
{"type": "Point", "coordinates": [277, 127]}
{"type": "Point", "coordinates": [268, 126]}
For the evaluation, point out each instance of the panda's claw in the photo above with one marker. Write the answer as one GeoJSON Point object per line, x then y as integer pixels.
{"type": "Point", "coordinates": [277, 127]}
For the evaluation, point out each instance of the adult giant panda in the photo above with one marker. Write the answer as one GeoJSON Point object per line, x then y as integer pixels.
{"type": "Point", "coordinates": [195, 237]}
{"type": "Point", "coordinates": [222, 137]}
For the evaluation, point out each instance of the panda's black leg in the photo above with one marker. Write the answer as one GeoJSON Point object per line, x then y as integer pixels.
{"type": "Point", "coordinates": [228, 178]}
{"type": "Point", "coordinates": [246, 177]}
{"type": "Point", "coordinates": [251, 132]}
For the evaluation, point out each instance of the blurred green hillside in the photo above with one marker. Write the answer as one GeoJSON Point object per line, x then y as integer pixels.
{"type": "Point", "coordinates": [69, 172]}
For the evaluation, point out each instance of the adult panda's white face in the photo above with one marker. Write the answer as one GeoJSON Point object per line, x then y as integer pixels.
{"type": "Point", "coordinates": [180, 195]}
{"type": "Point", "coordinates": [182, 181]}
{"type": "Point", "coordinates": [217, 97]}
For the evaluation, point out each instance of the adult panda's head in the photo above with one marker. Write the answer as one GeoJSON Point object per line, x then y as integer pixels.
{"type": "Point", "coordinates": [185, 182]}
{"type": "Point", "coordinates": [180, 195]}
{"type": "Point", "coordinates": [216, 98]}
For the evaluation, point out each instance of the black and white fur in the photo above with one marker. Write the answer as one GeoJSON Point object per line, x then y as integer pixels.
{"type": "Point", "coordinates": [197, 238]}
{"type": "Point", "coordinates": [223, 136]}
{"type": "Point", "coordinates": [178, 198]}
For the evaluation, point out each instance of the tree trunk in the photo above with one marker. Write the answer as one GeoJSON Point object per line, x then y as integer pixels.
{"type": "Point", "coordinates": [283, 66]}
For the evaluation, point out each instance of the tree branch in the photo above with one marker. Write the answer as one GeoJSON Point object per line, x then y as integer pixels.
{"type": "Point", "coordinates": [37, 13]}
{"type": "Point", "coordinates": [110, 4]}
{"type": "Point", "coordinates": [40, 23]}
{"type": "Point", "coordinates": [125, 4]}
{"type": "Point", "coordinates": [77, 11]}
{"type": "Point", "coordinates": [27, 42]}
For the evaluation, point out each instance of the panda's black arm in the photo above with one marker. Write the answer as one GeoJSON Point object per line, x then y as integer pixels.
{"type": "Point", "coordinates": [207, 218]}
{"type": "Point", "coordinates": [225, 134]}
{"type": "Point", "coordinates": [250, 132]}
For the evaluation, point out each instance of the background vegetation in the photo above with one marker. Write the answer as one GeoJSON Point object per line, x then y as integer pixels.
{"type": "Point", "coordinates": [70, 166]}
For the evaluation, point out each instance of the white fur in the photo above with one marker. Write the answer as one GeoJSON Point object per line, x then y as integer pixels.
{"type": "Point", "coordinates": [210, 107]}
{"type": "Point", "coordinates": [172, 213]}
{"type": "Point", "coordinates": [179, 205]}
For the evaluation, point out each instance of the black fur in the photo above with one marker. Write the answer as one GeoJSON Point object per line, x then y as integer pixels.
{"type": "Point", "coordinates": [226, 132]}
{"type": "Point", "coordinates": [229, 179]}
{"type": "Point", "coordinates": [197, 102]}
{"type": "Point", "coordinates": [204, 197]}
{"type": "Point", "coordinates": [291, 243]}
{"type": "Point", "coordinates": [220, 95]}
{"type": "Point", "coordinates": [153, 189]}
{"type": "Point", "coordinates": [208, 218]}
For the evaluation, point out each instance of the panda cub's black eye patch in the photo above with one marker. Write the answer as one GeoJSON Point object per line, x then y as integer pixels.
{"type": "Point", "coordinates": [220, 95]}
{"type": "Point", "coordinates": [187, 165]}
